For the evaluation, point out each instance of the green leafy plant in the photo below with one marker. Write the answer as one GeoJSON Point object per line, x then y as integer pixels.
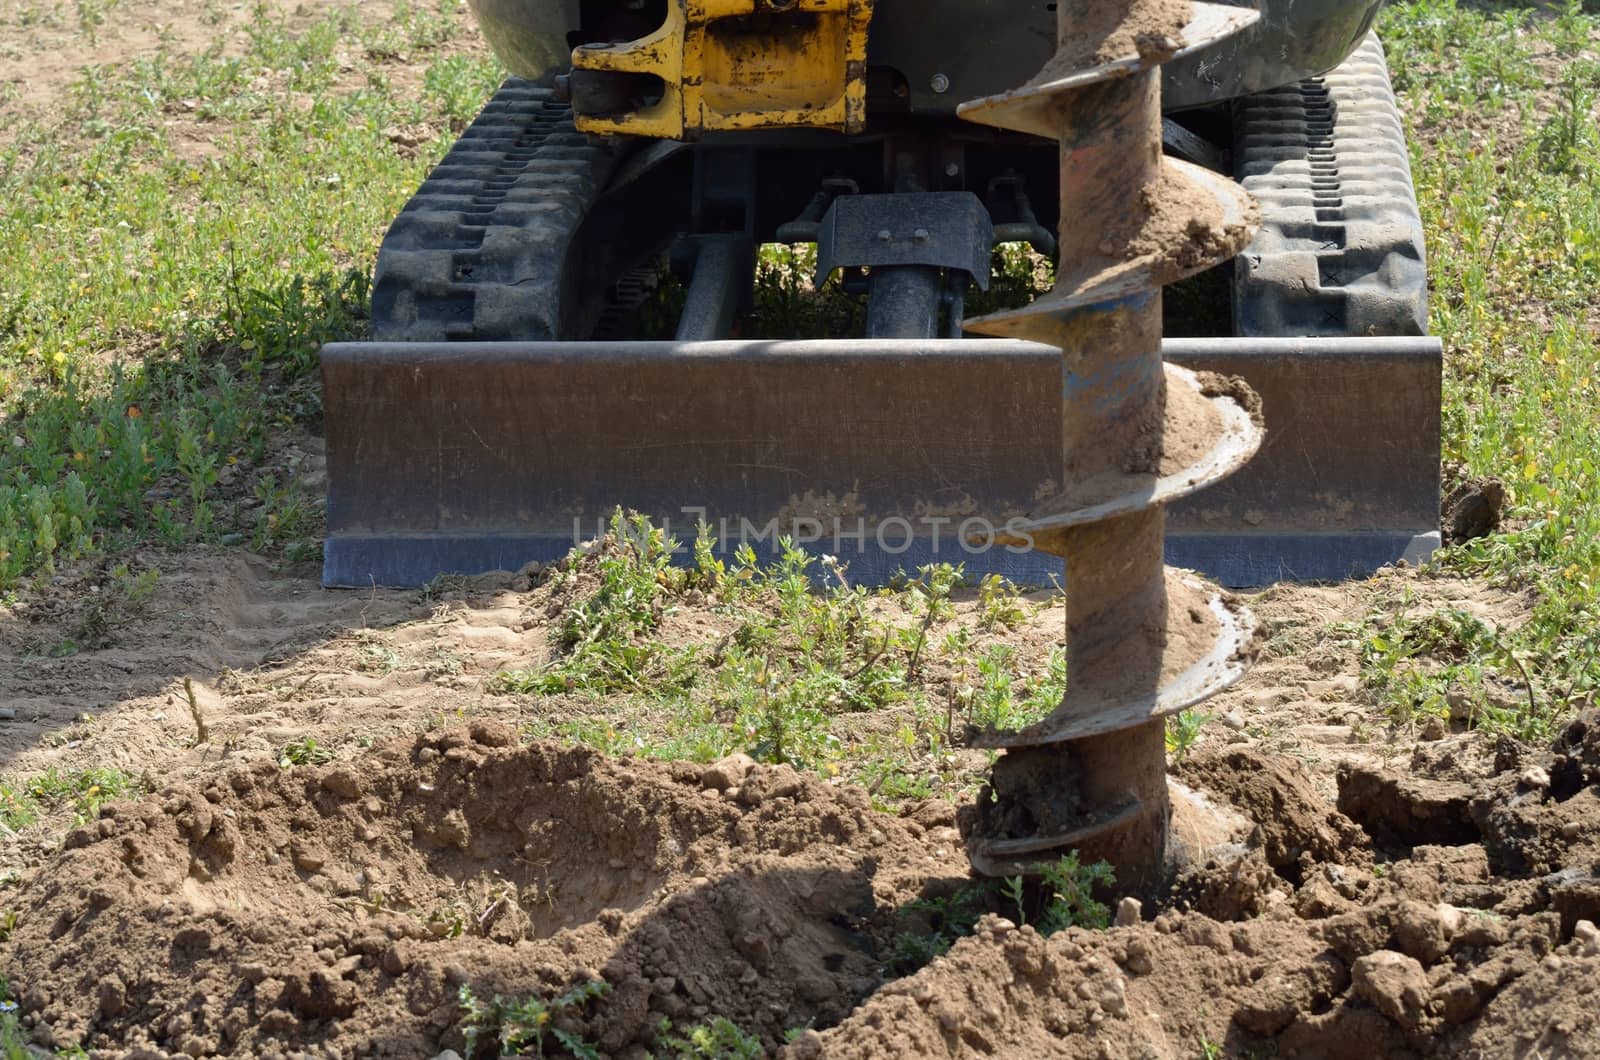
{"type": "Point", "coordinates": [804, 649]}
{"type": "Point", "coordinates": [718, 1039]}
{"type": "Point", "coordinates": [526, 1027]}
{"type": "Point", "coordinates": [1000, 603]}
{"type": "Point", "coordinates": [1183, 731]}
{"type": "Point", "coordinates": [1504, 157]}
{"type": "Point", "coordinates": [608, 634]}
{"type": "Point", "coordinates": [1068, 887]}
{"type": "Point", "coordinates": [947, 919]}
{"type": "Point", "coordinates": [13, 1039]}
{"type": "Point", "coordinates": [121, 600]}
{"type": "Point", "coordinates": [183, 331]}
{"type": "Point", "coordinates": [79, 792]}
{"type": "Point", "coordinates": [305, 752]}
{"type": "Point", "coordinates": [1059, 895]}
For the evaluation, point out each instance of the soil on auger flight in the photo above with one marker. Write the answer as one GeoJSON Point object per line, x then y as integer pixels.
{"type": "Point", "coordinates": [337, 911]}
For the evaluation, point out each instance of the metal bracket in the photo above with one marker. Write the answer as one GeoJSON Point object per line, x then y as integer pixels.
{"type": "Point", "coordinates": [942, 230]}
{"type": "Point", "coordinates": [807, 67]}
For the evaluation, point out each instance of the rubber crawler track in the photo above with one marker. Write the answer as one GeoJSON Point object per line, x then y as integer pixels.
{"type": "Point", "coordinates": [479, 251]}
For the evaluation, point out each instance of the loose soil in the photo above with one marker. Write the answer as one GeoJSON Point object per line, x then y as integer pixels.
{"type": "Point", "coordinates": [342, 908]}
{"type": "Point", "coordinates": [338, 911]}
{"type": "Point", "coordinates": [1186, 432]}
{"type": "Point", "coordinates": [244, 909]}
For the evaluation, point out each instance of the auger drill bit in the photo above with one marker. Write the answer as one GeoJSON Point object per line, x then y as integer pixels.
{"type": "Point", "coordinates": [1143, 641]}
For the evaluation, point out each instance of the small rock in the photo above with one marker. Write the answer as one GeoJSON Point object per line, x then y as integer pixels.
{"type": "Point", "coordinates": [1571, 829]}
{"type": "Point", "coordinates": [307, 860]}
{"type": "Point", "coordinates": [1587, 936]}
{"type": "Point", "coordinates": [1392, 983]}
{"type": "Point", "coordinates": [1420, 930]}
{"type": "Point", "coordinates": [487, 733]}
{"type": "Point", "coordinates": [1129, 912]}
{"type": "Point", "coordinates": [1234, 720]}
{"type": "Point", "coordinates": [1114, 996]}
{"type": "Point", "coordinates": [113, 995]}
{"type": "Point", "coordinates": [997, 926]}
{"type": "Point", "coordinates": [726, 773]}
{"type": "Point", "coordinates": [1535, 777]}
{"type": "Point", "coordinates": [1433, 728]}
{"type": "Point", "coordinates": [343, 782]}
{"type": "Point", "coordinates": [1451, 919]}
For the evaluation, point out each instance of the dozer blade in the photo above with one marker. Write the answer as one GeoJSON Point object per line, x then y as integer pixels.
{"type": "Point", "coordinates": [470, 457]}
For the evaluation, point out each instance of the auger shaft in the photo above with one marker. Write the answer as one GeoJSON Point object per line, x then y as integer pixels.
{"type": "Point", "coordinates": [1116, 397]}
{"type": "Point", "coordinates": [1113, 412]}
{"type": "Point", "coordinates": [1092, 777]}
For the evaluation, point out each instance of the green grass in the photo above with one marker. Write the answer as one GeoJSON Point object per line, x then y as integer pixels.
{"type": "Point", "coordinates": [75, 795]}
{"type": "Point", "coordinates": [1506, 156]}
{"type": "Point", "coordinates": [801, 675]}
{"type": "Point", "coordinates": [161, 306]}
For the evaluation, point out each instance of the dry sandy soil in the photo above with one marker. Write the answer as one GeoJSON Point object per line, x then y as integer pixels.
{"type": "Point", "coordinates": [1390, 896]}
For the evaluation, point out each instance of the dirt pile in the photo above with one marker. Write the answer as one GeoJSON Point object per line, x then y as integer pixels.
{"type": "Point", "coordinates": [1484, 948]}
{"type": "Point", "coordinates": [338, 911]}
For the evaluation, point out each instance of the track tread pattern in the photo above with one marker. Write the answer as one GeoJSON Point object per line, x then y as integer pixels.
{"type": "Point", "coordinates": [1340, 249]}
{"type": "Point", "coordinates": [479, 251]}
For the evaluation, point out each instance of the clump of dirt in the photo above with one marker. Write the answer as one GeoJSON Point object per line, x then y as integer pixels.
{"type": "Point", "coordinates": [343, 908]}
{"type": "Point", "coordinates": [1403, 810]}
{"type": "Point", "coordinates": [1106, 31]}
{"type": "Point", "coordinates": [1472, 509]}
{"type": "Point", "coordinates": [1177, 227]}
{"type": "Point", "coordinates": [1184, 432]}
{"type": "Point", "coordinates": [1294, 828]}
{"type": "Point", "coordinates": [1215, 384]}
{"type": "Point", "coordinates": [1191, 429]}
